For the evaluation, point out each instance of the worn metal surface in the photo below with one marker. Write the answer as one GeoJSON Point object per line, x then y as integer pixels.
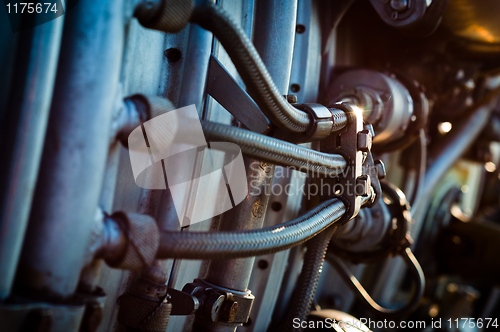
{"type": "Point", "coordinates": [22, 140]}
{"type": "Point", "coordinates": [74, 156]}
{"type": "Point", "coordinates": [249, 214]}
{"type": "Point", "coordinates": [187, 270]}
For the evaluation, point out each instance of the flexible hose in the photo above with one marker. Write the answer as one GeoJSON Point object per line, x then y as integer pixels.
{"type": "Point", "coordinates": [368, 301]}
{"type": "Point", "coordinates": [274, 150]}
{"type": "Point", "coordinates": [229, 245]}
{"type": "Point", "coordinates": [309, 276]}
{"type": "Point", "coordinates": [308, 279]}
{"type": "Point", "coordinates": [250, 67]}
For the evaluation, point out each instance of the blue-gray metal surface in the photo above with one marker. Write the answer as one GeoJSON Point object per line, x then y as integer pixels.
{"type": "Point", "coordinates": [30, 99]}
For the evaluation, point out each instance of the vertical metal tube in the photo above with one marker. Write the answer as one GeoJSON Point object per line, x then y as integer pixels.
{"type": "Point", "coordinates": [274, 36]}
{"type": "Point", "coordinates": [29, 104]}
{"type": "Point", "coordinates": [75, 151]}
{"type": "Point", "coordinates": [195, 67]}
{"type": "Point", "coordinates": [249, 214]}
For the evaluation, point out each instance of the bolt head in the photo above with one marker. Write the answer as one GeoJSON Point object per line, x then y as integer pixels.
{"type": "Point", "coordinates": [364, 140]}
{"type": "Point", "coordinates": [229, 309]}
{"type": "Point", "coordinates": [380, 169]}
{"type": "Point", "coordinates": [292, 99]}
{"type": "Point", "coordinates": [363, 184]}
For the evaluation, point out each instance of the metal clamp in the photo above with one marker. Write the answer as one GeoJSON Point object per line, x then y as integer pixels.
{"type": "Point", "coordinates": [395, 241]}
{"type": "Point", "coordinates": [322, 123]}
{"type": "Point", "coordinates": [352, 143]}
{"type": "Point", "coordinates": [220, 304]}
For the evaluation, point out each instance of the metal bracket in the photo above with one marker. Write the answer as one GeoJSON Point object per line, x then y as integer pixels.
{"type": "Point", "coordinates": [220, 304]}
{"type": "Point", "coordinates": [352, 142]}
{"type": "Point", "coordinates": [182, 303]}
{"type": "Point", "coordinates": [227, 92]}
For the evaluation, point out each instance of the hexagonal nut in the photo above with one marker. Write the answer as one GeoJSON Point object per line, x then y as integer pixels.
{"type": "Point", "coordinates": [143, 241]}
{"type": "Point", "coordinates": [364, 140]}
{"type": "Point", "coordinates": [381, 173]}
{"type": "Point", "coordinates": [363, 184]}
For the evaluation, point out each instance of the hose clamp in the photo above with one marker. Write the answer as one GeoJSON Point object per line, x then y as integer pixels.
{"type": "Point", "coordinates": [322, 120]}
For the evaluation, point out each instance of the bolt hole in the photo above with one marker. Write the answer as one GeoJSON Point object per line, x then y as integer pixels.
{"type": "Point", "coordinates": [217, 309]}
{"type": "Point", "coordinates": [173, 54]}
{"type": "Point", "coordinates": [295, 87]}
{"type": "Point", "coordinates": [300, 28]}
{"type": "Point", "coordinates": [262, 264]}
{"type": "Point", "coordinates": [276, 206]}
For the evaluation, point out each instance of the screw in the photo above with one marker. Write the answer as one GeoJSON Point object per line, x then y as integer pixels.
{"type": "Point", "coordinates": [399, 5]}
{"type": "Point", "coordinates": [380, 169]}
{"type": "Point", "coordinates": [229, 309]}
{"type": "Point", "coordinates": [364, 140]}
{"type": "Point", "coordinates": [292, 99]}
{"type": "Point", "coordinates": [363, 184]}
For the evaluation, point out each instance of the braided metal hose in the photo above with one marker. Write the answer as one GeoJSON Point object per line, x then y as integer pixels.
{"type": "Point", "coordinates": [228, 245]}
{"type": "Point", "coordinates": [250, 67]}
{"type": "Point", "coordinates": [308, 280]}
{"type": "Point", "coordinates": [309, 276]}
{"type": "Point", "coordinates": [274, 150]}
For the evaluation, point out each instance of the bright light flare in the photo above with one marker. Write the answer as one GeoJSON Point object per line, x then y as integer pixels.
{"type": "Point", "coordinates": [444, 127]}
{"type": "Point", "coordinates": [358, 111]}
{"type": "Point", "coordinates": [490, 167]}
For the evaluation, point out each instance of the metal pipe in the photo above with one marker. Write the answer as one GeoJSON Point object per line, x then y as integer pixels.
{"type": "Point", "coordinates": [447, 151]}
{"type": "Point", "coordinates": [250, 66]}
{"type": "Point", "coordinates": [23, 141]}
{"type": "Point", "coordinates": [74, 158]}
{"type": "Point", "coordinates": [195, 67]}
{"type": "Point", "coordinates": [235, 274]}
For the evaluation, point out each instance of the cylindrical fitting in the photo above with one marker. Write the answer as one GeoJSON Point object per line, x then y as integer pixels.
{"type": "Point", "coordinates": [385, 101]}
{"type": "Point", "coordinates": [325, 120]}
{"type": "Point", "coordinates": [164, 15]}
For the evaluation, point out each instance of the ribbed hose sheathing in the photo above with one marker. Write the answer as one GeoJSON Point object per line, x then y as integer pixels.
{"type": "Point", "coordinates": [339, 118]}
{"type": "Point", "coordinates": [250, 67]}
{"type": "Point", "coordinates": [274, 150]}
{"type": "Point", "coordinates": [239, 244]}
{"type": "Point", "coordinates": [302, 298]}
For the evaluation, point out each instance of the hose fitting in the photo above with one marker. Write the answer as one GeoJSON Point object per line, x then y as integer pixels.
{"type": "Point", "coordinates": [164, 15]}
{"type": "Point", "coordinates": [324, 120]}
{"type": "Point", "coordinates": [143, 241]}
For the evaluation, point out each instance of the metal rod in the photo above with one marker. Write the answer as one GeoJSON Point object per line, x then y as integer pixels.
{"type": "Point", "coordinates": [74, 156]}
